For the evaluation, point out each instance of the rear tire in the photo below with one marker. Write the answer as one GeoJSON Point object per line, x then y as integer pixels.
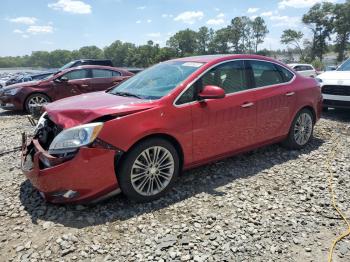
{"type": "Point", "coordinates": [301, 130]}
{"type": "Point", "coordinates": [149, 170]}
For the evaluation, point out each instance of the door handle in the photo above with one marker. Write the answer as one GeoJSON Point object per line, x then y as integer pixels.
{"type": "Point", "coordinates": [248, 104]}
{"type": "Point", "coordinates": [290, 94]}
{"type": "Point", "coordinates": [84, 85]}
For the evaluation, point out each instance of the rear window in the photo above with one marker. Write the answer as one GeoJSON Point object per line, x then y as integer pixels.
{"type": "Point", "coordinates": [101, 73]}
{"type": "Point", "coordinates": [267, 74]}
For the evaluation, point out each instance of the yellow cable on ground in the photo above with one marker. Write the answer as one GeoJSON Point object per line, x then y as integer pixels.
{"type": "Point", "coordinates": [334, 203]}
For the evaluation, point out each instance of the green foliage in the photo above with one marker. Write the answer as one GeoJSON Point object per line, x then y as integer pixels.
{"type": "Point", "coordinates": [320, 19]}
{"type": "Point", "coordinates": [317, 63]}
{"type": "Point", "coordinates": [292, 37]}
{"type": "Point", "coordinates": [184, 42]}
{"type": "Point", "coordinates": [342, 28]}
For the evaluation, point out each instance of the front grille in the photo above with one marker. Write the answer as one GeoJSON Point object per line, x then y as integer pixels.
{"type": "Point", "coordinates": [336, 103]}
{"type": "Point", "coordinates": [47, 133]}
{"type": "Point", "coordinates": [336, 90]}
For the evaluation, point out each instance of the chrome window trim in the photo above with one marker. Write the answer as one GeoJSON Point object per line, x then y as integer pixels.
{"type": "Point", "coordinates": [239, 92]}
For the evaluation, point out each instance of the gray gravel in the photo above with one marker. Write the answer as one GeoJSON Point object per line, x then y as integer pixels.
{"type": "Point", "coordinates": [267, 205]}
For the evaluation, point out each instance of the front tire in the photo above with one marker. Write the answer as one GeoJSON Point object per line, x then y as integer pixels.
{"type": "Point", "coordinates": [301, 130]}
{"type": "Point", "coordinates": [36, 100]}
{"type": "Point", "coordinates": [149, 170]}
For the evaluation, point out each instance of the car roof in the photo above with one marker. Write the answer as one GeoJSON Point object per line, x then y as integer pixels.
{"type": "Point", "coordinates": [222, 57]}
{"type": "Point", "coordinates": [88, 59]}
{"type": "Point", "coordinates": [296, 64]}
{"type": "Point", "coordinates": [95, 67]}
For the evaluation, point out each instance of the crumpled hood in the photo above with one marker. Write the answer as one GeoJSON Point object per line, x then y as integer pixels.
{"type": "Point", "coordinates": [335, 75]}
{"type": "Point", "coordinates": [82, 109]}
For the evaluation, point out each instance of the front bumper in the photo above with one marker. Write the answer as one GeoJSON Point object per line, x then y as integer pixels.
{"type": "Point", "coordinates": [336, 101]}
{"type": "Point", "coordinates": [9, 103]}
{"type": "Point", "coordinates": [88, 176]}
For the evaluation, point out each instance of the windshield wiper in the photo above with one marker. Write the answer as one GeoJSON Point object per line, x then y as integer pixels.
{"type": "Point", "coordinates": [126, 94]}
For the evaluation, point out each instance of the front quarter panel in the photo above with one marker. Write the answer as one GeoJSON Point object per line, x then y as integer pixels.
{"type": "Point", "coordinates": [124, 132]}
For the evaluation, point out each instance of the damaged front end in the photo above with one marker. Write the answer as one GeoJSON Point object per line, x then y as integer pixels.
{"type": "Point", "coordinates": [69, 165]}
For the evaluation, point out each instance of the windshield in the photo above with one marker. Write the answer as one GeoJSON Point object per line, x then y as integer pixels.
{"type": "Point", "coordinates": [157, 81]}
{"type": "Point", "coordinates": [66, 66]}
{"type": "Point", "coordinates": [345, 66]}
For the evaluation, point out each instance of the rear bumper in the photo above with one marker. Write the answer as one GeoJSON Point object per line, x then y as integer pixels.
{"type": "Point", "coordinates": [89, 175]}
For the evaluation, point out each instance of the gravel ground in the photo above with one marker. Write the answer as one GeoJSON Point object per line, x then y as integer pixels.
{"type": "Point", "coordinates": [267, 205]}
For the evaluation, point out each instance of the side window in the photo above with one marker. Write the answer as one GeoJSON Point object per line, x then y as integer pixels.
{"type": "Point", "coordinates": [298, 68]}
{"type": "Point", "coordinates": [308, 68]}
{"type": "Point", "coordinates": [230, 76]}
{"type": "Point", "coordinates": [187, 97]}
{"type": "Point", "coordinates": [77, 74]}
{"type": "Point", "coordinates": [286, 74]}
{"type": "Point", "coordinates": [266, 74]}
{"type": "Point", "coordinates": [101, 73]}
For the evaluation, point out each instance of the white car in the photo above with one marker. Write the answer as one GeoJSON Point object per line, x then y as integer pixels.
{"type": "Point", "coordinates": [304, 69]}
{"type": "Point", "coordinates": [336, 87]}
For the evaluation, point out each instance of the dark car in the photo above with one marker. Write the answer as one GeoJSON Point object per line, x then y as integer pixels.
{"type": "Point", "coordinates": [81, 62]}
{"type": "Point", "coordinates": [69, 82]}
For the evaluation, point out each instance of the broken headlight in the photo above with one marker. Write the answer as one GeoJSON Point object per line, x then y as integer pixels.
{"type": "Point", "coordinates": [72, 138]}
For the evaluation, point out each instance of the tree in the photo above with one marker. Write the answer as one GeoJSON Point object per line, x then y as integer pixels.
{"type": "Point", "coordinates": [59, 57]}
{"type": "Point", "coordinates": [247, 35]}
{"type": "Point", "coordinates": [92, 52]}
{"type": "Point", "coordinates": [259, 31]}
{"type": "Point", "coordinates": [236, 32]}
{"type": "Point", "coordinates": [40, 59]}
{"type": "Point", "coordinates": [220, 42]}
{"type": "Point", "coordinates": [342, 28]}
{"type": "Point", "coordinates": [320, 20]}
{"type": "Point", "coordinates": [292, 37]}
{"type": "Point", "coordinates": [184, 42]}
{"type": "Point", "coordinates": [119, 52]}
{"type": "Point", "coordinates": [203, 38]}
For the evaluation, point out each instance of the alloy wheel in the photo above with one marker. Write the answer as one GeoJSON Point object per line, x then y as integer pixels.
{"type": "Point", "coordinates": [303, 129]}
{"type": "Point", "coordinates": [152, 171]}
{"type": "Point", "coordinates": [36, 101]}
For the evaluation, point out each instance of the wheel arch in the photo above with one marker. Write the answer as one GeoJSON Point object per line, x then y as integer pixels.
{"type": "Point", "coordinates": [311, 109]}
{"type": "Point", "coordinates": [34, 93]}
{"type": "Point", "coordinates": [171, 139]}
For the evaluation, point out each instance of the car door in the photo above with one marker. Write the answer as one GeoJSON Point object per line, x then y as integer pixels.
{"type": "Point", "coordinates": [223, 125]}
{"type": "Point", "coordinates": [72, 83]}
{"type": "Point", "coordinates": [102, 79]}
{"type": "Point", "coordinates": [276, 99]}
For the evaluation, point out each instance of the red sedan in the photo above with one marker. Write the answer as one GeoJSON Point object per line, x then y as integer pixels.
{"type": "Point", "coordinates": [69, 82]}
{"type": "Point", "coordinates": [136, 138]}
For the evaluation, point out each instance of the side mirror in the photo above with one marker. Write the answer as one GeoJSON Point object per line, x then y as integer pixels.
{"type": "Point", "coordinates": [64, 79]}
{"type": "Point", "coordinates": [212, 92]}
{"type": "Point", "coordinates": [61, 79]}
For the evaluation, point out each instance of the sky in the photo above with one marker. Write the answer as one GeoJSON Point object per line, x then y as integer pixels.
{"type": "Point", "coordinates": [27, 26]}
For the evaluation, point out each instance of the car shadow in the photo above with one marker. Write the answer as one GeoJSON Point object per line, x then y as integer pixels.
{"type": "Point", "coordinates": [206, 179]}
{"type": "Point", "coordinates": [11, 113]}
{"type": "Point", "coordinates": [341, 115]}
